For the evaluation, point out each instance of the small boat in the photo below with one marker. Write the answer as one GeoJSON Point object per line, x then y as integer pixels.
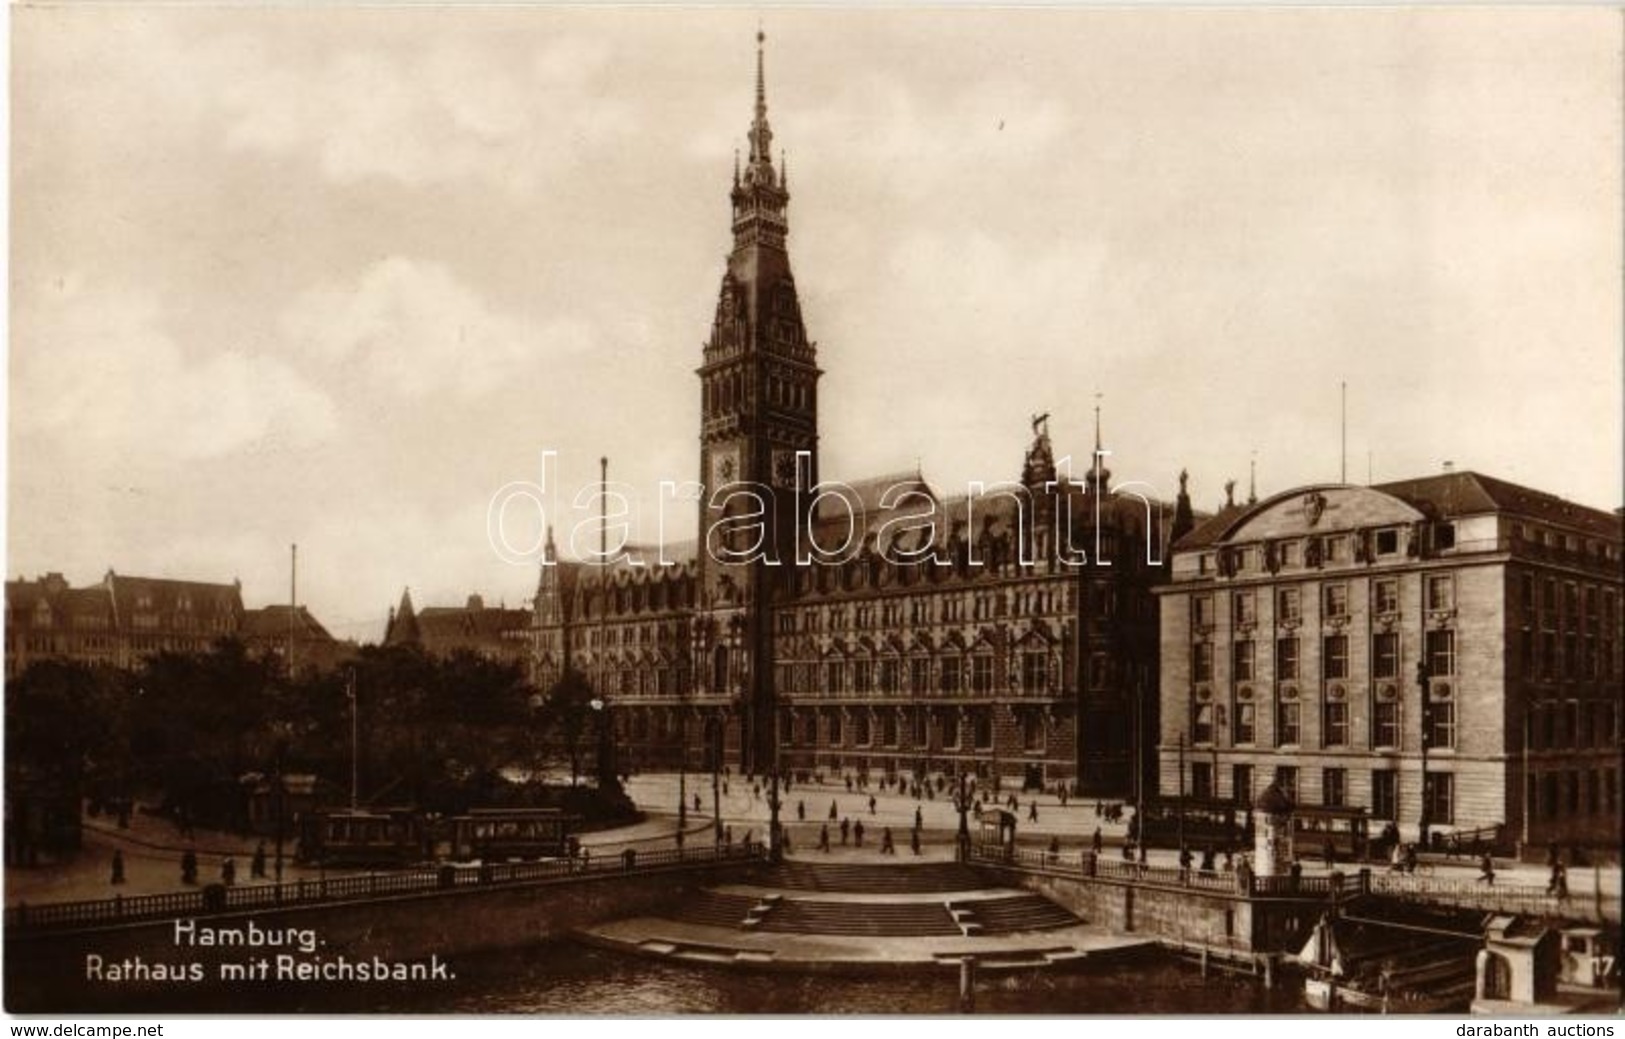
{"type": "Point", "coordinates": [1426, 979]}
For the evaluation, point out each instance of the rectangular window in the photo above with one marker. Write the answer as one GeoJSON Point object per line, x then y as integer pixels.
{"type": "Point", "coordinates": [1526, 583]}
{"type": "Point", "coordinates": [950, 730]}
{"type": "Point", "coordinates": [1441, 650]}
{"type": "Point", "coordinates": [1442, 724]}
{"type": "Point", "coordinates": [1202, 780]}
{"type": "Point", "coordinates": [951, 680]}
{"type": "Point", "coordinates": [1246, 608]}
{"type": "Point", "coordinates": [1444, 536]}
{"type": "Point", "coordinates": [1439, 791]}
{"type": "Point", "coordinates": [1336, 723]}
{"type": "Point", "coordinates": [1242, 661]}
{"type": "Point", "coordinates": [1387, 542]}
{"type": "Point", "coordinates": [1286, 777]}
{"type": "Point", "coordinates": [1246, 723]}
{"type": "Point", "coordinates": [860, 728]}
{"type": "Point", "coordinates": [1335, 600]}
{"type": "Point", "coordinates": [984, 729]}
{"type": "Point", "coordinates": [1386, 596]}
{"type": "Point", "coordinates": [1287, 715]}
{"type": "Point", "coordinates": [1334, 659]}
{"type": "Point", "coordinates": [1384, 794]}
{"type": "Point", "coordinates": [1291, 553]}
{"type": "Point", "coordinates": [1202, 723]}
{"type": "Point", "coordinates": [981, 678]}
{"type": "Point", "coordinates": [1334, 787]}
{"type": "Point", "coordinates": [888, 675]}
{"type": "Point", "coordinates": [1289, 605]}
{"type": "Point", "coordinates": [860, 677]}
{"type": "Point", "coordinates": [1241, 784]}
{"type": "Point", "coordinates": [1336, 550]}
{"type": "Point", "coordinates": [836, 737]}
{"type": "Point", "coordinates": [1033, 732]}
{"type": "Point", "coordinates": [888, 728]}
{"type": "Point", "coordinates": [1203, 611]}
{"type": "Point", "coordinates": [1034, 672]}
{"type": "Point", "coordinates": [1385, 654]}
{"type": "Point", "coordinates": [1286, 659]}
{"type": "Point", "coordinates": [1440, 592]}
{"type": "Point", "coordinates": [922, 731]}
{"type": "Point", "coordinates": [1385, 724]}
{"type": "Point", "coordinates": [1202, 662]}
{"type": "Point", "coordinates": [919, 675]}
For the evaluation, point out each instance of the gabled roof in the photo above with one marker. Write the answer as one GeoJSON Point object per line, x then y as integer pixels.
{"type": "Point", "coordinates": [271, 622]}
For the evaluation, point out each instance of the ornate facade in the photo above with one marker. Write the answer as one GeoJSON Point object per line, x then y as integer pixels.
{"type": "Point", "coordinates": [878, 627]}
{"type": "Point", "coordinates": [1445, 648]}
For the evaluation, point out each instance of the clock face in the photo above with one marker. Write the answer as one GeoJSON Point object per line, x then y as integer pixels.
{"type": "Point", "coordinates": [784, 468]}
{"type": "Point", "coordinates": [724, 467]}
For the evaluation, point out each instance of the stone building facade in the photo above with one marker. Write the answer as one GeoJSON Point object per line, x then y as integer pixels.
{"type": "Point", "coordinates": [122, 620]}
{"type": "Point", "coordinates": [875, 627]}
{"type": "Point", "coordinates": [1300, 634]}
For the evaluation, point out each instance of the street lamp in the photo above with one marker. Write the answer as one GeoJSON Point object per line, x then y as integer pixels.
{"type": "Point", "coordinates": [962, 806]}
{"type": "Point", "coordinates": [713, 744]}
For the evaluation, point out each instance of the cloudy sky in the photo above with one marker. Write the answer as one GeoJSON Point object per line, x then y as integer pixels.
{"type": "Point", "coordinates": [335, 276]}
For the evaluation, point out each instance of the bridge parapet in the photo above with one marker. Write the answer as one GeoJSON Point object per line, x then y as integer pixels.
{"type": "Point", "coordinates": [217, 899]}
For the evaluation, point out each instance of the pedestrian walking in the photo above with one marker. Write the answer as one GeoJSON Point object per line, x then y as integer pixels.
{"type": "Point", "coordinates": [698, 806]}
{"type": "Point", "coordinates": [1559, 885]}
{"type": "Point", "coordinates": [1096, 842]}
{"type": "Point", "coordinates": [1054, 849]}
{"type": "Point", "coordinates": [857, 833]}
{"type": "Point", "coordinates": [228, 871]}
{"type": "Point", "coordinates": [823, 837]}
{"type": "Point", "coordinates": [919, 818]}
{"type": "Point", "coordinates": [886, 845]}
{"type": "Point", "coordinates": [846, 830]}
{"type": "Point", "coordinates": [833, 813]}
{"type": "Point", "coordinates": [871, 804]}
{"type": "Point", "coordinates": [256, 865]}
{"type": "Point", "coordinates": [1330, 852]}
{"type": "Point", "coordinates": [801, 811]}
{"type": "Point", "coordinates": [1032, 812]}
{"type": "Point", "coordinates": [1486, 870]}
{"type": "Point", "coordinates": [118, 868]}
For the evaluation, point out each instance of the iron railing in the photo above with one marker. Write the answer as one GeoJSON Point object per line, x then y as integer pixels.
{"type": "Point", "coordinates": [216, 898]}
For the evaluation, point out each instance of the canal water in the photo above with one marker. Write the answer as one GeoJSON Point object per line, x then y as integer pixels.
{"type": "Point", "coordinates": [567, 978]}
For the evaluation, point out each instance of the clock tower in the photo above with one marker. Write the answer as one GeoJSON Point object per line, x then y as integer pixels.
{"type": "Point", "coordinates": [758, 410]}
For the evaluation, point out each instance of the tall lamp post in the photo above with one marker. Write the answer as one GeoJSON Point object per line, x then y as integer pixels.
{"type": "Point", "coordinates": [775, 838]}
{"type": "Point", "coordinates": [962, 806]}
{"type": "Point", "coordinates": [1181, 797]}
{"type": "Point", "coordinates": [713, 746]}
{"type": "Point", "coordinates": [355, 739]}
{"type": "Point", "coordinates": [1424, 682]}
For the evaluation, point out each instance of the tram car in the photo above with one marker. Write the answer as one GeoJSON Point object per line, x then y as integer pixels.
{"type": "Point", "coordinates": [1347, 831]}
{"type": "Point", "coordinates": [497, 834]}
{"type": "Point", "coordinates": [363, 837]}
{"type": "Point", "coordinates": [1199, 822]}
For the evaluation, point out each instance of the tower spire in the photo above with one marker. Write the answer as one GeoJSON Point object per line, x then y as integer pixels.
{"type": "Point", "coordinates": [761, 135]}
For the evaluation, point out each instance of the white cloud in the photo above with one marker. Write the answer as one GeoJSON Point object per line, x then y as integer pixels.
{"type": "Point", "coordinates": [427, 115]}
{"type": "Point", "coordinates": [412, 327]}
{"type": "Point", "coordinates": [98, 365]}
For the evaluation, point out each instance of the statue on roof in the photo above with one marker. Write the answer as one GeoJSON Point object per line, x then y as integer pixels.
{"type": "Point", "coordinates": [1041, 425]}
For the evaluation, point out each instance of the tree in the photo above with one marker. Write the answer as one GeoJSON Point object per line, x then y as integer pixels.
{"type": "Point", "coordinates": [568, 712]}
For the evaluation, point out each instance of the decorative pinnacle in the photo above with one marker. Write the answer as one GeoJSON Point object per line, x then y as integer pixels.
{"type": "Point", "coordinates": [761, 137]}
